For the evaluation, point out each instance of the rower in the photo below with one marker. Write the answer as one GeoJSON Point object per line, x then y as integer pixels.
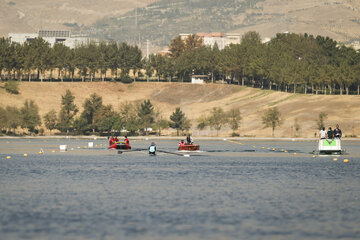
{"type": "Point", "coordinates": [152, 149]}
{"type": "Point", "coordinates": [127, 142]}
{"type": "Point", "coordinates": [189, 140]}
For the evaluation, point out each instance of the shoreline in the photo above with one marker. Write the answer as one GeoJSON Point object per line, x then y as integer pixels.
{"type": "Point", "coordinates": [175, 138]}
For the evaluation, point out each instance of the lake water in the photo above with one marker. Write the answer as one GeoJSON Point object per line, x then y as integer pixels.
{"type": "Point", "coordinates": [230, 190]}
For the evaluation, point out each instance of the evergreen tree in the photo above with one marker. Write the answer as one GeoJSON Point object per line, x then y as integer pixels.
{"type": "Point", "coordinates": [92, 105]}
{"type": "Point", "coordinates": [178, 121]}
{"type": "Point", "coordinates": [146, 115]}
{"type": "Point", "coordinates": [176, 47]}
{"type": "Point", "coordinates": [67, 112]}
{"type": "Point", "coordinates": [30, 117]}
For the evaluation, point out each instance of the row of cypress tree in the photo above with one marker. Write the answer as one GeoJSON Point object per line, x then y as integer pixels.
{"type": "Point", "coordinates": [289, 62]}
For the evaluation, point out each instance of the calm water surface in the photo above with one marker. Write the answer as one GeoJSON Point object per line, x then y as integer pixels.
{"type": "Point", "coordinates": [229, 191]}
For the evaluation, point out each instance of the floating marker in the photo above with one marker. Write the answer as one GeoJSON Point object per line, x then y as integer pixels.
{"type": "Point", "coordinates": [335, 159]}
{"type": "Point", "coordinates": [186, 155]}
{"type": "Point", "coordinates": [282, 150]}
{"type": "Point", "coordinates": [346, 160]}
{"type": "Point", "coordinates": [8, 157]}
{"type": "Point", "coordinates": [273, 149]}
{"type": "Point", "coordinates": [53, 151]}
{"type": "Point", "coordinates": [25, 154]}
{"type": "Point", "coordinates": [95, 138]}
{"type": "Point", "coordinates": [63, 148]}
{"type": "Point", "coordinates": [225, 139]}
{"type": "Point", "coordinates": [285, 151]}
{"type": "Point", "coordinates": [262, 147]}
{"type": "Point", "coordinates": [295, 153]}
{"type": "Point", "coordinates": [90, 145]}
{"type": "Point", "coordinates": [314, 156]}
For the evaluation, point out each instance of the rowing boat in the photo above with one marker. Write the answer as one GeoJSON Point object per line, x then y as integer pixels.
{"type": "Point", "coordinates": [120, 146]}
{"type": "Point", "coordinates": [189, 147]}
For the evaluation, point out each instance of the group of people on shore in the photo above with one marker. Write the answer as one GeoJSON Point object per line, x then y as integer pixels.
{"type": "Point", "coordinates": [330, 134]}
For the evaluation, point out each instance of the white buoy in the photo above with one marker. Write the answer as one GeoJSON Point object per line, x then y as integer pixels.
{"type": "Point", "coordinates": [225, 139]}
{"type": "Point", "coordinates": [90, 145]}
{"type": "Point", "coordinates": [186, 155]}
{"type": "Point", "coordinates": [63, 148]}
{"type": "Point", "coordinates": [95, 138]}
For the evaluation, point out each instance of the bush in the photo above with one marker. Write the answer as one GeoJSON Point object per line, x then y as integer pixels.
{"type": "Point", "coordinates": [126, 79]}
{"type": "Point", "coordinates": [12, 87]}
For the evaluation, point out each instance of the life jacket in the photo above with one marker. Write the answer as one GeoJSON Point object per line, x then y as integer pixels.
{"type": "Point", "coordinates": [152, 149]}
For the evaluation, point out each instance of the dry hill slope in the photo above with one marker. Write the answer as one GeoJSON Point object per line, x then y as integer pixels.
{"type": "Point", "coordinates": [30, 16]}
{"type": "Point", "coordinates": [197, 100]}
{"type": "Point", "coordinates": [338, 19]}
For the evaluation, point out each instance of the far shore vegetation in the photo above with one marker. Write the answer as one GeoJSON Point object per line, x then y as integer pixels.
{"type": "Point", "coordinates": [298, 63]}
{"type": "Point", "coordinates": [138, 118]}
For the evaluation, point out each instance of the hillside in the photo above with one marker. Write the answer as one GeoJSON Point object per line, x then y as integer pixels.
{"type": "Point", "coordinates": [165, 19]}
{"type": "Point", "coordinates": [196, 100]}
{"type": "Point", "coordinates": [162, 20]}
{"type": "Point", "coordinates": [30, 16]}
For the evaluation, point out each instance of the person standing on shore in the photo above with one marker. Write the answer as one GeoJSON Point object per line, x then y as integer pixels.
{"type": "Point", "coordinates": [337, 132]}
{"type": "Point", "coordinates": [322, 134]}
{"type": "Point", "coordinates": [330, 133]}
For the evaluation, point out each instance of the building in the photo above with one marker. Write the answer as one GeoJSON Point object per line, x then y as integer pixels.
{"type": "Point", "coordinates": [221, 39]}
{"type": "Point", "coordinates": [199, 79]}
{"type": "Point", "coordinates": [210, 39]}
{"type": "Point", "coordinates": [50, 36]}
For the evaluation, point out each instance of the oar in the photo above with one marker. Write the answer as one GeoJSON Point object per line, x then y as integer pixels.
{"type": "Point", "coordinates": [133, 150]}
{"type": "Point", "coordinates": [178, 154]}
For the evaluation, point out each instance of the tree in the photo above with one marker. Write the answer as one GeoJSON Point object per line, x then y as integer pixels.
{"type": "Point", "coordinates": [91, 106]}
{"type": "Point", "coordinates": [146, 115]}
{"type": "Point", "coordinates": [129, 116]}
{"type": "Point", "coordinates": [178, 121]}
{"type": "Point", "coordinates": [192, 42]}
{"type": "Point", "coordinates": [217, 119]}
{"type": "Point", "coordinates": [50, 120]}
{"type": "Point", "coordinates": [320, 122]}
{"type": "Point", "coordinates": [202, 122]}
{"type": "Point", "coordinates": [3, 118]}
{"type": "Point", "coordinates": [160, 124]}
{"type": "Point", "coordinates": [176, 47]}
{"type": "Point", "coordinates": [13, 120]}
{"type": "Point", "coordinates": [67, 111]}
{"type": "Point", "coordinates": [30, 117]}
{"type": "Point", "coordinates": [81, 125]}
{"type": "Point", "coordinates": [272, 118]}
{"type": "Point", "coordinates": [12, 87]}
{"type": "Point", "coordinates": [234, 119]}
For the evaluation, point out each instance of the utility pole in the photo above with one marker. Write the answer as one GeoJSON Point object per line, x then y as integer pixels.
{"type": "Point", "coordinates": [147, 48]}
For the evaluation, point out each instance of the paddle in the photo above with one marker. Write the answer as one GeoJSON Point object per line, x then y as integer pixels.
{"type": "Point", "coordinates": [178, 154]}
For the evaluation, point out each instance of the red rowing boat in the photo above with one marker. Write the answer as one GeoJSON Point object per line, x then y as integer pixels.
{"type": "Point", "coordinates": [189, 147]}
{"type": "Point", "coordinates": [120, 146]}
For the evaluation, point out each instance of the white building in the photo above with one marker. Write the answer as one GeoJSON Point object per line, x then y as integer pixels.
{"type": "Point", "coordinates": [221, 39]}
{"type": "Point", "coordinates": [51, 37]}
{"type": "Point", "coordinates": [198, 79]}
